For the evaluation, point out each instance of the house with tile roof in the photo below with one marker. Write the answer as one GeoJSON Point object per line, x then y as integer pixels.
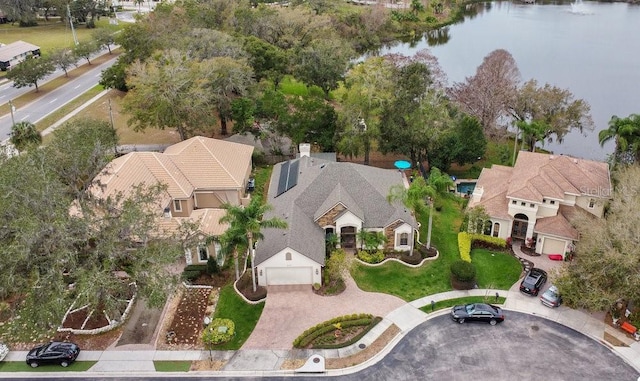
{"type": "Point", "coordinates": [536, 199]}
{"type": "Point", "coordinates": [318, 197]}
{"type": "Point", "coordinates": [201, 174]}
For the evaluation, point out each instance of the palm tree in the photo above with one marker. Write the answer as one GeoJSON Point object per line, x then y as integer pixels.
{"type": "Point", "coordinates": [25, 135]}
{"type": "Point", "coordinates": [626, 133]}
{"type": "Point", "coordinates": [245, 225]}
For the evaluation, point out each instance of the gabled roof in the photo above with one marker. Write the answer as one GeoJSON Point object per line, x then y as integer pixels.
{"type": "Point", "coordinates": [322, 185]}
{"type": "Point", "coordinates": [10, 51]}
{"type": "Point", "coordinates": [557, 225]}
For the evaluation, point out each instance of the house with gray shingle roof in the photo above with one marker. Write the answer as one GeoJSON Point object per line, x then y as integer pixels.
{"type": "Point", "coordinates": [201, 174]}
{"type": "Point", "coordinates": [318, 197]}
{"type": "Point", "coordinates": [536, 199]}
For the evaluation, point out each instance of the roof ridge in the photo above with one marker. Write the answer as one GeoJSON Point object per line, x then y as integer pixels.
{"type": "Point", "coordinates": [156, 156]}
{"type": "Point", "coordinates": [198, 138]}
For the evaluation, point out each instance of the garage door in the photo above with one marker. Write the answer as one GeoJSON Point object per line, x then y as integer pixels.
{"type": "Point", "coordinates": [553, 246]}
{"type": "Point", "coordinates": [289, 275]}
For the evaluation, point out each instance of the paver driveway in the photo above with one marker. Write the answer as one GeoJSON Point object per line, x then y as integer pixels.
{"type": "Point", "coordinates": [290, 310]}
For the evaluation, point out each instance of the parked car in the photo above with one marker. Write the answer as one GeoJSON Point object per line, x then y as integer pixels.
{"type": "Point", "coordinates": [533, 281]}
{"type": "Point", "coordinates": [477, 312]}
{"type": "Point", "coordinates": [4, 351]}
{"type": "Point", "coordinates": [551, 297]}
{"type": "Point", "coordinates": [53, 353]}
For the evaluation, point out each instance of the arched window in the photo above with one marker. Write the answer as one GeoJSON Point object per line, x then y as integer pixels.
{"type": "Point", "coordinates": [496, 229]}
{"type": "Point", "coordinates": [404, 239]}
{"type": "Point", "coordinates": [287, 256]}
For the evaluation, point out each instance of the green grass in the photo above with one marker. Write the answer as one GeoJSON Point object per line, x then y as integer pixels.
{"type": "Point", "coordinates": [244, 315]}
{"type": "Point", "coordinates": [491, 299]}
{"type": "Point", "coordinates": [21, 366]}
{"type": "Point", "coordinates": [495, 269]}
{"type": "Point", "coordinates": [68, 108]}
{"type": "Point", "coordinates": [291, 86]}
{"type": "Point", "coordinates": [172, 366]}
{"type": "Point", "coordinates": [52, 34]}
{"type": "Point", "coordinates": [432, 277]}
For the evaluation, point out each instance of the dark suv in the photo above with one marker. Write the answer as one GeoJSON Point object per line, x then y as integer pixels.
{"type": "Point", "coordinates": [533, 281]}
{"type": "Point", "coordinates": [53, 353]}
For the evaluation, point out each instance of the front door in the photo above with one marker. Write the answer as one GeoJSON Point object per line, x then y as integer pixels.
{"type": "Point", "coordinates": [348, 237]}
{"type": "Point", "coordinates": [519, 230]}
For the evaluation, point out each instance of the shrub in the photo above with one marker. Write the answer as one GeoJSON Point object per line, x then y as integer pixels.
{"type": "Point", "coordinates": [370, 257]}
{"type": "Point", "coordinates": [212, 266]}
{"type": "Point", "coordinates": [463, 271]}
{"type": "Point", "coordinates": [489, 241]}
{"type": "Point", "coordinates": [191, 275]}
{"type": "Point", "coordinates": [464, 245]}
{"type": "Point", "coordinates": [213, 335]}
{"type": "Point", "coordinates": [330, 325]}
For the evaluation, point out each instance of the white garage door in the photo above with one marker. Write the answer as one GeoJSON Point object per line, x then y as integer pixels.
{"type": "Point", "coordinates": [289, 275]}
{"type": "Point", "coordinates": [553, 246]}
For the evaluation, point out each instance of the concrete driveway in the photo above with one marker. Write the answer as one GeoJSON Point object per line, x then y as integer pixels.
{"type": "Point", "coordinates": [290, 310]}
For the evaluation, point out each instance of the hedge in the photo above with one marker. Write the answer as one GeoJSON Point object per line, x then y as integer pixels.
{"type": "Point", "coordinates": [464, 245]}
{"type": "Point", "coordinates": [354, 339]}
{"type": "Point", "coordinates": [463, 271]}
{"type": "Point", "coordinates": [375, 257]}
{"type": "Point", "coordinates": [465, 241]}
{"type": "Point", "coordinates": [320, 329]}
{"type": "Point", "coordinates": [212, 334]}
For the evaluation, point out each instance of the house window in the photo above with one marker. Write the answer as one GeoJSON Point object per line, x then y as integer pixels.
{"type": "Point", "coordinates": [532, 206]}
{"type": "Point", "coordinates": [287, 256]}
{"type": "Point", "coordinates": [203, 253]}
{"type": "Point", "coordinates": [496, 229]}
{"type": "Point", "coordinates": [177, 205]}
{"type": "Point", "coordinates": [514, 202]}
{"type": "Point", "coordinates": [552, 202]}
{"type": "Point", "coordinates": [523, 203]}
{"type": "Point", "coordinates": [404, 239]}
{"type": "Point", "coordinates": [544, 200]}
{"type": "Point", "coordinates": [592, 203]}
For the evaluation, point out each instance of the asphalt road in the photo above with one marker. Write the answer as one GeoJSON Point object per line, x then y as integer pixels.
{"type": "Point", "coordinates": [48, 103]}
{"type": "Point", "coordinates": [524, 347]}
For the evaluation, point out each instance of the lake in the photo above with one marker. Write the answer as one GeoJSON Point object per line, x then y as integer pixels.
{"type": "Point", "coordinates": [592, 49]}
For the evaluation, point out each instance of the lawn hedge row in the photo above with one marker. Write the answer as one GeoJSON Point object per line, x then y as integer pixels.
{"type": "Point", "coordinates": [464, 245]}
{"type": "Point", "coordinates": [368, 257]}
{"type": "Point", "coordinates": [320, 329]}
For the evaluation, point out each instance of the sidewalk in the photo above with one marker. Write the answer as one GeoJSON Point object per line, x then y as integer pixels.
{"type": "Point", "coordinates": [268, 362]}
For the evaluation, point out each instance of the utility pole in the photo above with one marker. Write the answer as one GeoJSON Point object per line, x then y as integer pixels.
{"type": "Point", "coordinates": [13, 109]}
{"type": "Point", "coordinates": [113, 127]}
{"type": "Point", "coordinates": [73, 31]}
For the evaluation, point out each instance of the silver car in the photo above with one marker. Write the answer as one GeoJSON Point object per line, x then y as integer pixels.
{"type": "Point", "coordinates": [551, 297]}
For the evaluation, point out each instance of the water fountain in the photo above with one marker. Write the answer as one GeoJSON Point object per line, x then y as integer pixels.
{"type": "Point", "coordinates": [580, 8]}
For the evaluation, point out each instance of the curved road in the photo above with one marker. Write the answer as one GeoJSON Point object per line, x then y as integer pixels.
{"type": "Point", "coordinates": [524, 347]}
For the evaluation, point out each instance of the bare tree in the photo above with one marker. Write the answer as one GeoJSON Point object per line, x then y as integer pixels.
{"type": "Point", "coordinates": [488, 94]}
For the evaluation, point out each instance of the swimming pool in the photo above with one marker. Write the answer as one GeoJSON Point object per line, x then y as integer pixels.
{"type": "Point", "coordinates": [465, 188]}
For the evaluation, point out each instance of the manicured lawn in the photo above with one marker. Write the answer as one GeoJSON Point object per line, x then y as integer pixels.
{"type": "Point", "coordinates": [431, 278]}
{"type": "Point", "coordinates": [172, 366]}
{"type": "Point", "coordinates": [498, 271]}
{"type": "Point", "coordinates": [495, 270]}
{"type": "Point", "coordinates": [52, 34]}
{"type": "Point", "coordinates": [467, 299]}
{"type": "Point", "coordinates": [21, 366]}
{"type": "Point", "coordinates": [244, 315]}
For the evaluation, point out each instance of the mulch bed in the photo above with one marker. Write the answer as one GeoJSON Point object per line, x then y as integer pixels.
{"type": "Point", "coordinates": [76, 319]}
{"type": "Point", "coordinates": [188, 320]}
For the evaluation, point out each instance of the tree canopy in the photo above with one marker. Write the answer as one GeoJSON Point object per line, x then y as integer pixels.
{"type": "Point", "coordinates": [30, 71]}
{"type": "Point", "coordinates": [605, 267]}
{"type": "Point", "coordinates": [626, 134]}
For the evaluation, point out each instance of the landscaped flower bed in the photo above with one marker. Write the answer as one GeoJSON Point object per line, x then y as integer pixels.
{"type": "Point", "coordinates": [188, 319]}
{"type": "Point", "coordinates": [336, 333]}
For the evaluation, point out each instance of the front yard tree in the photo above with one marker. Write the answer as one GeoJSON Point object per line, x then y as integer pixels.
{"type": "Point", "coordinates": [464, 143]}
{"type": "Point", "coordinates": [169, 90]}
{"type": "Point", "coordinates": [25, 135]}
{"type": "Point", "coordinates": [30, 71]}
{"type": "Point", "coordinates": [606, 267]}
{"type": "Point", "coordinates": [488, 94]}
{"type": "Point", "coordinates": [626, 134]}
{"type": "Point", "coordinates": [416, 197]}
{"type": "Point", "coordinates": [550, 111]}
{"type": "Point", "coordinates": [63, 59]}
{"type": "Point", "coordinates": [245, 227]}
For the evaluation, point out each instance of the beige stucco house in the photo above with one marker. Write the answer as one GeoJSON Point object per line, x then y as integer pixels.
{"type": "Point", "coordinates": [318, 197]}
{"type": "Point", "coordinates": [201, 174]}
{"type": "Point", "coordinates": [536, 198]}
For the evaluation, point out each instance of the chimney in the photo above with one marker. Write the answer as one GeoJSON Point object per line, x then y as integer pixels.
{"type": "Point", "coordinates": [477, 194]}
{"type": "Point", "coordinates": [305, 150]}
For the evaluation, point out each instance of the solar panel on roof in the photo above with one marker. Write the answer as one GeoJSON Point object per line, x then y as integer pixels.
{"type": "Point", "coordinates": [282, 181]}
{"type": "Point", "coordinates": [293, 175]}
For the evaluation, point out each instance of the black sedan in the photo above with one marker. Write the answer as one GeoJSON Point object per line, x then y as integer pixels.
{"type": "Point", "coordinates": [477, 312]}
{"type": "Point", "coordinates": [533, 281]}
{"type": "Point", "coordinates": [53, 353]}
